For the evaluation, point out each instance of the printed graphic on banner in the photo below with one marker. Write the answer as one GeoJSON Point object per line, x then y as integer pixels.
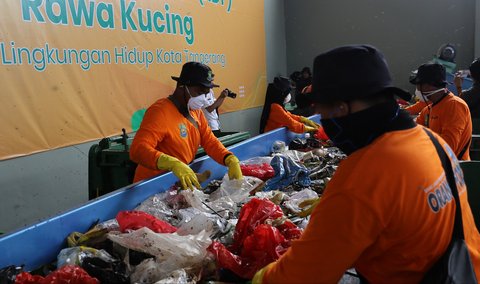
{"type": "Point", "coordinates": [73, 71]}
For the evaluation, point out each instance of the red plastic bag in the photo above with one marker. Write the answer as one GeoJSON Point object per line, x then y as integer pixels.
{"type": "Point", "coordinates": [265, 245]}
{"type": "Point", "coordinates": [133, 220]}
{"type": "Point", "coordinates": [320, 134]}
{"type": "Point", "coordinates": [254, 213]}
{"type": "Point", "coordinates": [255, 244]}
{"type": "Point", "coordinates": [262, 171]}
{"type": "Point", "coordinates": [68, 274]}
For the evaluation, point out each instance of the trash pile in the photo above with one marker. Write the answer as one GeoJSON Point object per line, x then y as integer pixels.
{"type": "Point", "coordinates": [224, 232]}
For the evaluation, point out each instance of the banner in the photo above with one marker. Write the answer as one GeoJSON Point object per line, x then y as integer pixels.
{"type": "Point", "coordinates": [73, 71]}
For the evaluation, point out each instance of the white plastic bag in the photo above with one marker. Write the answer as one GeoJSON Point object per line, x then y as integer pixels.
{"type": "Point", "coordinates": [171, 251]}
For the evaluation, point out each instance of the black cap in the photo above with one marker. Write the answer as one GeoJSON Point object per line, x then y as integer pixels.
{"type": "Point", "coordinates": [430, 73]}
{"type": "Point", "coordinates": [196, 73]}
{"type": "Point", "coordinates": [283, 84]}
{"type": "Point", "coordinates": [351, 72]}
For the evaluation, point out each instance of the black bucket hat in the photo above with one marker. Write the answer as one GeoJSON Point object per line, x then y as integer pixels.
{"type": "Point", "coordinates": [430, 73]}
{"type": "Point", "coordinates": [283, 84]}
{"type": "Point", "coordinates": [196, 73]}
{"type": "Point", "coordinates": [351, 72]}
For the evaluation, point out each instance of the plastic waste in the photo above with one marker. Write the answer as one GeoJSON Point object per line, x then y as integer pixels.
{"type": "Point", "coordinates": [296, 198]}
{"type": "Point", "coordinates": [70, 274]}
{"type": "Point", "coordinates": [75, 255]}
{"type": "Point", "coordinates": [262, 171]}
{"type": "Point", "coordinates": [8, 274]}
{"type": "Point", "coordinates": [133, 220]}
{"type": "Point", "coordinates": [150, 272]}
{"type": "Point", "coordinates": [107, 271]}
{"type": "Point", "coordinates": [287, 172]}
{"type": "Point", "coordinates": [156, 206]}
{"type": "Point", "coordinates": [171, 251]}
{"type": "Point", "coordinates": [256, 241]}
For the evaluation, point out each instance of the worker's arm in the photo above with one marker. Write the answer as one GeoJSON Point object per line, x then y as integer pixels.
{"type": "Point", "coordinates": [458, 81]}
{"type": "Point", "coordinates": [453, 132]}
{"type": "Point", "coordinates": [281, 117]}
{"type": "Point", "coordinates": [218, 102]}
{"type": "Point", "coordinates": [416, 108]}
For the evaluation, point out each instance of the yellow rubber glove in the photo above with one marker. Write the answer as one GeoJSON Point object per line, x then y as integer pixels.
{"type": "Point", "coordinates": [258, 278]}
{"type": "Point", "coordinates": [183, 172]}
{"type": "Point", "coordinates": [309, 129]}
{"type": "Point", "coordinates": [308, 122]}
{"type": "Point", "coordinates": [233, 164]}
{"type": "Point", "coordinates": [310, 203]}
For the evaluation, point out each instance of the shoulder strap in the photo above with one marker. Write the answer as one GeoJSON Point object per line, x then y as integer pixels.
{"type": "Point", "coordinates": [447, 167]}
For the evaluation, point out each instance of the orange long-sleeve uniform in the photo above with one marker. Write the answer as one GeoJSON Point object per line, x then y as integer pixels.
{"type": "Point", "coordinates": [384, 213]}
{"type": "Point", "coordinates": [279, 117]}
{"type": "Point", "coordinates": [416, 108]}
{"type": "Point", "coordinates": [165, 130]}
{"type": "Point", "coordinates": [450, 118]}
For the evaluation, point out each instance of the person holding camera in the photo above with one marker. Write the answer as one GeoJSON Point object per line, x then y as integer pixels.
{"type": "Point", "coordinates": [274, 114]}
{"type": "Point", "coordinates": [173, 128]}
{"type": "Point", "coordinates": [210, 109]}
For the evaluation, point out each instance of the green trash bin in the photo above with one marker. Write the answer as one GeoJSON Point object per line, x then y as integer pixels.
{"type": "Point", "coordinates": [109, 165]}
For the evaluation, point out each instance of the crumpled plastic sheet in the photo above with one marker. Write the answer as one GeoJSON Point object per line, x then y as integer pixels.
{"type": "Point", "coordinates": [155, 205]}
{"type": "Point", "coordinates": [296, 198]}
{"type": "Point", "coordinates": [287, 172]}
{"type": "Point", "coordinates": [171, 251]}
{"type": "Point", "coordinates": [75, 255]}
{"type": "Point", "coordinates": [149, 272]}
{"type": "Point", "coordinates": [226, 199]}
{"type": "Point", "coordinates": [178, 276]}
{"type": "Point", "coordinates": [257, 160]}
{"type": "Point", "coordinates": [110, 225]}
{"type": "Point", "coordinates": [193, 221]}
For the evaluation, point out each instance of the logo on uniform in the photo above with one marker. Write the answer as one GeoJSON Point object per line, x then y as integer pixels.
{"type": "Point", "coordinates": [210, 76]}
{"type": "Point", "coordinates": [183, 130]}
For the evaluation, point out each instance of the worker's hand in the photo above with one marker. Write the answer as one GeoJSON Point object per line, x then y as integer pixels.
{"type": "Point", "coordinates": [308, 122]}
{"type": "Point", "coordinates": [183, 172]}
{"type": "Point", "coordinates": [309, 129]}
{"type": "Point", "coordinates": [309, 204]}
{"type": "Point", "coordinates": [458, 80]}
{"type": "Point", "coordinates": [233, 164]}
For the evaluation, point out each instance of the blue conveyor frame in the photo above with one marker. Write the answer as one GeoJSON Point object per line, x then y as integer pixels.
{"type": "Point", "coordinates": [39, 244]}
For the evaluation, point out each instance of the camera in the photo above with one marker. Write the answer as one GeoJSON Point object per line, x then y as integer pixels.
{"type": "Point", "coordinates": [230, 94]}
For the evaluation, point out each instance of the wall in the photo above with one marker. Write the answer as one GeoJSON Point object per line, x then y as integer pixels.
{"type": "Point", "coordinates": [409, 32]}
{"type": "Point", "coordinates": [44, 184]}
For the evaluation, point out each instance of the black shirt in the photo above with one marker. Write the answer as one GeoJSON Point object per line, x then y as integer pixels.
{"type": "Point", "coordinates": [472, 98]}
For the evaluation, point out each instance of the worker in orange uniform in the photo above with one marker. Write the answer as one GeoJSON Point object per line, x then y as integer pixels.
{"type": "Point", "coordinates": [274, 114]}
{"type": "Point", "coordinates": [374, 215]}
{"type": "Point", "coordinates": [447, 114]}
{"type": "Point", "coordinates": [173, 128]}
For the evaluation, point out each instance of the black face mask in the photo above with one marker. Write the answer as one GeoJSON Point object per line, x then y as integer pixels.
{"type": "Point", "coordinates": [354, 131]}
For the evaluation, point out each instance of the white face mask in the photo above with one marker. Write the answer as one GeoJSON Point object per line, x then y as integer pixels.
{"type": "Point", "coordinates": [287, 99]}
{"type": "Point", "coordinates": [422, 96]}
{"type": "Point", "coordinates": [196, 102]}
